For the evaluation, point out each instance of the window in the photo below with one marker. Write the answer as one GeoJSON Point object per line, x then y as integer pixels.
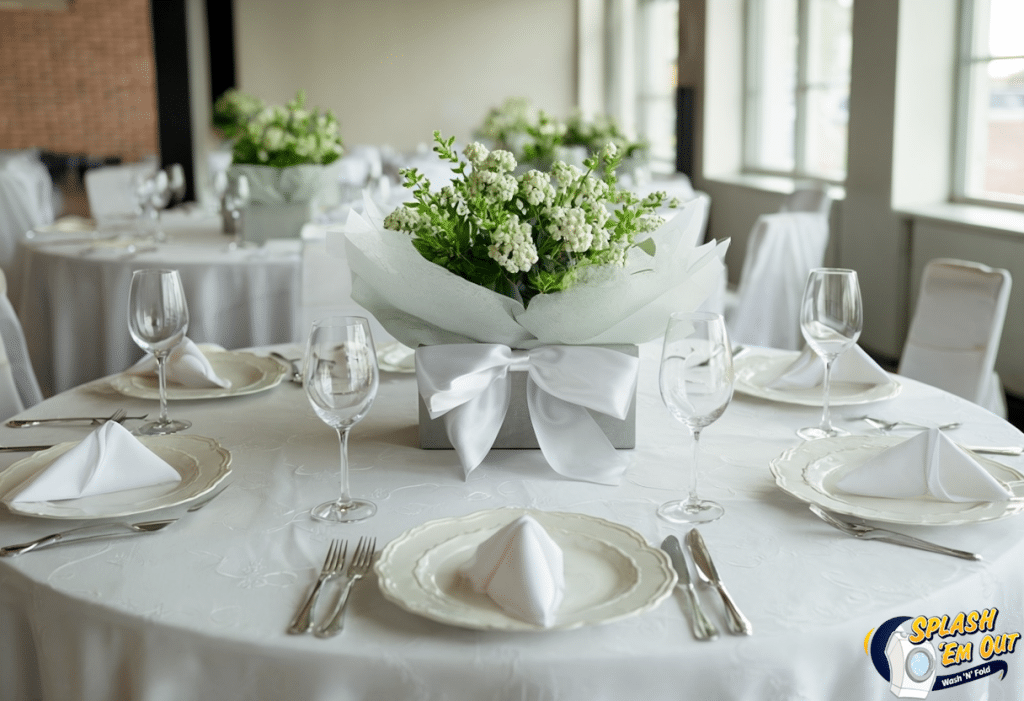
{"type": "Point", "coordinates": [657, 78]}
{"type": "Point", "coordinates": [797, 76]}
{"type": "Point", "coordinates": [990, 118]}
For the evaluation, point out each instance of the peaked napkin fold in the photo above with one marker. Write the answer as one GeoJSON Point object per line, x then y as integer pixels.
{"type": "Point", "coordinates": [808, 371]}
{"type": "Point", "coordinates": [521, 569]}
{"type": "Point", "coordinates": [109, 459]}
{"type": "Point", "coordinates": [186, 366]}
{"type": "Point", "coordinates": [929, 464]}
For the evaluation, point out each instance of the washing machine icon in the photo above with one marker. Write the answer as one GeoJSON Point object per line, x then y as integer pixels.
{"type": "Point", "coordinates": [912, 667]}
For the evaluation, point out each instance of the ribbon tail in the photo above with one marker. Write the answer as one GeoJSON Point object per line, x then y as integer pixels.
{"type": "Point", "coordinates": [572, 442]}
{"type": "Point", "coordinates": [473, 426]}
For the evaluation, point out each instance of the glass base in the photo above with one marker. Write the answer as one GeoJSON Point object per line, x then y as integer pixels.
{"type": "Point", "coordinates": [812, 433]}
{"type": "Point", "coordinates": [344, 512]}
{"type": "Point", "coordinates": [700, 511]}
{"type": "Point", "coordinates": [163, 428]}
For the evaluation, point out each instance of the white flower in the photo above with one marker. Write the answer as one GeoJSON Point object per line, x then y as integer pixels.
{"type": "Point", "coordinates": [502, 161]}
{"type": "Point", "coordinates": [610, 149]}
{"type": "Point", "coordinates": [570, 225]}
{"type": "Point", "coordinates": [513, 245]}
{"type": "Point", "coordinates": [475, 153]}
{"type": "Point", "coordinates": [402, 219]}
{"type": "Point", "coordinates": [535, 186]}
{"type": "Point", "coordinates": [273, 138]}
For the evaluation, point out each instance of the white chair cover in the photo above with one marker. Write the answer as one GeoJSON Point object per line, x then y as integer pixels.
{"type": "Point", "coordinates": [954, 335]}
{"type": "Point", "coordinates": [111, 189]}
{"type": "Point", "coordinates": [26, 201]}
{"type": "Point", "coordinates": [809, 198]}
{"type": "Point", "coordinates": [18, 386]}
{"type": "Point", "coordinates": [782, 249]}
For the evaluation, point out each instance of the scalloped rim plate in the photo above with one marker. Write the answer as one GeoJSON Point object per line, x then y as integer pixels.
{"type": "Point", "coordinates": [758, 366]}
{"type": "Point", "coordinates": [810, 471]}
{"type": "Point", "coordinates": [247, 372]}
{"type": "Point", "coordinates": [202, 463]}
{"type": "Point", "coordinates": [610, 570]}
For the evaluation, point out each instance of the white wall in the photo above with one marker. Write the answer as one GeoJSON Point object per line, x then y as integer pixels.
{"type": "Point", "coordinates": [394, 71]}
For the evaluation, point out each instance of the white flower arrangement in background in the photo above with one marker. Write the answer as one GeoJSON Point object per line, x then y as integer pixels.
{"type": "Point", "coordinates": [289, 135]}
{"type": "Point", "coordinates": [526, 236]}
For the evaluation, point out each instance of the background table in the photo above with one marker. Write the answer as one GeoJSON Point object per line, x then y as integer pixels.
{"type": "Point", "coordinates": [74, 301]}
{"type": "Point", "coordinates": [199, 611]}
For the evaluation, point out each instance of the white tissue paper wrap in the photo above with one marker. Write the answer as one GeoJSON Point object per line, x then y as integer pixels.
{"type": "Point", "coordinates": [521, 569]}
{"type": "Point", "coordinates": [929, 464]}
{"type": "Point", "coordinates": [110, 459]}
{"type": "Point", "coordinates": [186, 366]}
{"type": "Point", "coordinates": [854, 366]}
{"type": "Point", "coordinates": [470, 385]}
{"type": "Point", "coordinates": [610, 305]}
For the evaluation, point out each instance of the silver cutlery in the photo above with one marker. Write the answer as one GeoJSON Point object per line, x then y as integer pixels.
{"type": "Point", "coordinates": [859, 530]}
{"type": "Point", "coordinates": [703, 628]}
{"type": "Point", "coordinates": [296, 373]}
{"type": "Point", "coordinates": [735, 620]}
{"type": "Point", "coordinates": [884, 425]}
{"type": "Point", "coordinates": [23, 448]}
{"type": "Point", "coordinates": [357, 569]}
{"type": "Point", "coordinates": [120, 416]}
{"type": "Point", "coordinates": [97, 531]}
{"type": "Point", "coordinates": [995, 449]}
{"type": "Point", "coordinates": [333, 564]}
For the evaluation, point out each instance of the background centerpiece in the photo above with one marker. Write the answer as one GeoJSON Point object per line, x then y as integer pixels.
{"type": "Point", "coordinates": [519, 273]}
{"type": "Point", "coordinates": [286, 153]}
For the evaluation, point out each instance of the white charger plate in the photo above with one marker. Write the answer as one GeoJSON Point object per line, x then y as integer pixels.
{"type": "Point", "coordinates": [757, 367]}
{"type": "Point", "coordinates": [247, 372]}
{"type": "Point", "coordinates": [610, 570]}
{"type": "Point", "coordinates": [811, 470]}
{"type": "Point", "coordinates": [202, 463]}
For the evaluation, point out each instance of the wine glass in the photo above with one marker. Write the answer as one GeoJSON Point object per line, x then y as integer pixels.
{"type": "Point", "coordinates": [153, 193]}
{"type": "Point", "coordinates": [157, 321]}
{"type": "Point", "coordinates": [176, 183]}
{"type": "Point", "coordinates": [340, 378]}
{"type": "Point", "coordinates": [696, 383]}
{"type": "Point", "coordinates": [236, 199]}
{"type": "Point", "coordinates": [830, 319]}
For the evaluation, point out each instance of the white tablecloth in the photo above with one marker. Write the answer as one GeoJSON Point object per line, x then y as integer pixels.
{"type": "Point", "coordinates": [199, 611]}
{"type": "Point", "coordinates": [74, 301]}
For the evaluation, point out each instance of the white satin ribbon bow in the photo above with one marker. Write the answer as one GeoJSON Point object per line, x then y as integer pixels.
{"type": "Point", "coordinates": [470, 386]}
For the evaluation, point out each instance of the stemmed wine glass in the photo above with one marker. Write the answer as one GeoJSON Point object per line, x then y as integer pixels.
{"type": "Point", "coordinates": [176, 183]}
{"type": "Point", "coordinates": [696, 384]}
{"type": "Point", "coordinates": [235, 200]}
{"type": "Point", "coordinates": [153, 192]}
{"type": "Point", "coordinates": [340, 377]}
{"type": "Point", "coordinates": [157, 321]}
{"type": "Point", "coordinates": [830, 319]}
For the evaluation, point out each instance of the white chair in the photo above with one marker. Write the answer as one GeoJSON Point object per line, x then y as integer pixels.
{"type": "Point", "coordinates": [111, 189]}
{"type": "Point", "coordinates": [26, 201]}
{"type": "Point", "coordinates": [954, 335]}
{"type": "Point", "coordinates": [809, 198]}
{"type": "Point", "coordinates": [18, 386]}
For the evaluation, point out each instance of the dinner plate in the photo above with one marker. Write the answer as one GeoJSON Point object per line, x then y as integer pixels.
{"type": "Point", "coordinates": [202, 463]}
{"type": "Point", "coordinates": [396, 357]}
{"type": "Point", "coordinates": [610, 570]}
{"type": "Point", "coordinates": [759, 366]}
{"type": "Point", "coordinates": [811, 471]}
{"type": "Point", "coordinates": [247, 372]}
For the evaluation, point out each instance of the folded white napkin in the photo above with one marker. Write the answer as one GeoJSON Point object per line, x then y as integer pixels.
{"type": "Point", "coordinates": [520, 568]}
{"type": "Point", "coordinates": [927, 464]}
{"type": "Point", "coordinates": [186, 366]}
{"type": "Point", "coordinates": [808, 371]}
{"type": "Point", "coordinates": [109, 459]}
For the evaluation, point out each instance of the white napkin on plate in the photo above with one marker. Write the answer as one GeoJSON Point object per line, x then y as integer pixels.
{"type": "Point", "coordinates": [109, 459]}
{"type": "Point", "coordinates": [927, 464]}
{"type": "Point", "coordinates": [808, 371]}
{"type": "Point", "coordinates": [186, 366]}
{"type": "Point", "coordinates": [520, 567]}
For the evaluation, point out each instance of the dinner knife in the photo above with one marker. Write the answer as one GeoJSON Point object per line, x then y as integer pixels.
{"type": "Point", "coordinates": [91, 532]}
{"type": "Point", "coordinates": [703, 628]}
{"type": "Point", "coordinates": [23, 448]}
{"type": "Point", "coordinates": [736, 621]}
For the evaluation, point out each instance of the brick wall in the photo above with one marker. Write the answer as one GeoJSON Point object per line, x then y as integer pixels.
{"type": "Point", "coordinates": [79, 81]}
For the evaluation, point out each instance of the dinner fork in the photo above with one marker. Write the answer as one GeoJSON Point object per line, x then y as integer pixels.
{"type": "Point", "coordinates": [864, 532]}
{"type": "Point", "coordinates": [356, 570]}
{"type": "Point", "coordinates": [883, 425]}
{"type": "Point", "coordinates": [119, 416]}
{"type": "Point", "coordinates": [296, 373]}
{"type": "Point", "coordinates": [333, 564]}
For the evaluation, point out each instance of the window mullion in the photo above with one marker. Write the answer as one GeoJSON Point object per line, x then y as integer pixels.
{"type": "Point", "coordinates": [801, 97]}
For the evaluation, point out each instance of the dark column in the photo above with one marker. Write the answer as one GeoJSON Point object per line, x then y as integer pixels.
{"type": "Point", "coordinates": [174, 105]}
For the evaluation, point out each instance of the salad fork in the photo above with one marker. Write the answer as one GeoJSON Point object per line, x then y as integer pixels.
{"type": "Point", "coordinates": [333, 564]}
{"type": "Point", "coordinates": [356, 570]}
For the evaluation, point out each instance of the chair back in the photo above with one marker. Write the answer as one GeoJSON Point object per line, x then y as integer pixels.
{"type": "Point", "coordinates": [111, 189]}
{"type": "Point", "coordinates": [18, 386]}
{"type": "Point", "coordinates": [955, 332]}
{"type": "Point", "coordinates": [782, 249]}
{"type": "Point", "coordinates": [809, 198]}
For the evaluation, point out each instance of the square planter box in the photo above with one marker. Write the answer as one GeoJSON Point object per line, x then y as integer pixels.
{"type": "Point", "coordinates": [517, 430]}
{"type": "Point", "coordinates": [274, 221]}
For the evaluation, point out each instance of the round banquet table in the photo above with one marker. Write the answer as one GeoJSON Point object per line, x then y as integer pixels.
{"type": "Point", "coordinates": [199, 610]}
{"type": "Point", "coordinates": [74, 297]}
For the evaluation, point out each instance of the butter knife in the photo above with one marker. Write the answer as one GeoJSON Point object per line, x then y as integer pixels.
{"type": "Point", "coordinates": [736, 621]}
{"type": "Point", "coordinates": [703, 628]}
{"type": "Point", "coordinates": [92, 532]}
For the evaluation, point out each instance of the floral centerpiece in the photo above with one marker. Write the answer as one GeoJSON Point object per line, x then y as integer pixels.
{"type": "Point", "coordinates": [286, 153]}
{"type": "Point", "coordinates": [557, 274]}
{"type": "Point", "coordinates": [233, 109]}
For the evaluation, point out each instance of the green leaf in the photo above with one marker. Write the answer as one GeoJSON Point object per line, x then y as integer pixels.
{"type": "Point", "coordinates": [647, 246]}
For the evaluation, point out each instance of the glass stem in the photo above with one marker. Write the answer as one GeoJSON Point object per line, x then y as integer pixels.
{"type": "Point", "coordinates": [826, 416]}
{"type": "Point", "coordinates": [161, 372]}
{"type": "Point", "coordinates": [344, 500]}
{"type": "Point", "coordinates": [692, 499]}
